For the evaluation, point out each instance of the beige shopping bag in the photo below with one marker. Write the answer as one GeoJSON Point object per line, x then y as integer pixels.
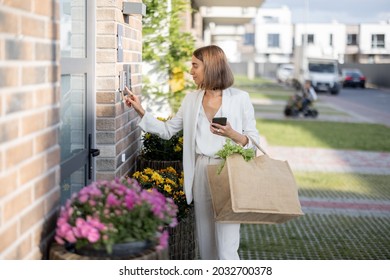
{"type": "Point", "coordinates": [262, 191]}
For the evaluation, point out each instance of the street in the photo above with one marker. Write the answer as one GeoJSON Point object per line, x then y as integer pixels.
{"type": "Point", "coordinates": [372, 104]}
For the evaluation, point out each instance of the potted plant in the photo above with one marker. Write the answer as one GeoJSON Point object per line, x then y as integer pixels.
{"type": "Point", "coordinates": [158, 153]}
{"type": "Point", "coordinates": [169, 182]}
{"type": "Point", "coordinates": [114, 219]}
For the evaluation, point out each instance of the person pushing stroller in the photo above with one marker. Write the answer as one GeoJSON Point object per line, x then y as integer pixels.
{"type": "Point", "coordinates": [302, 102]}
{"type": "Point", "coordinates": [308, 95]}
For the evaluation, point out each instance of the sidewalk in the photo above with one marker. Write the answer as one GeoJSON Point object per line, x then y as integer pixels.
{"type": "Point", "coordinates": [328, 160]}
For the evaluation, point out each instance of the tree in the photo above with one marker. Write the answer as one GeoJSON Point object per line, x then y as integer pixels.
{"type": "Point", "coordinates": [167, 48]}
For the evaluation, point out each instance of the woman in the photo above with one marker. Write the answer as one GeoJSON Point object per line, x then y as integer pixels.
{"type": "Point", "coordinates": [202, 139]}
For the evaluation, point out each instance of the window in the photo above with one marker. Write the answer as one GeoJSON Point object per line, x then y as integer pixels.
{"type": "Point", "coordinates": [310, 38]}
{"type": "Point", "coordinates": [352, 39]}
{"type": "Point", "coordinates": [273, 40]}
{"type": "Point", "coordinates": [270, 19]}
{"type": "Point", "coordinates": [321, 67]}
{"type": "Point", "coordinates": [378, 40]}
{"type": "Point", "coordinates": [249, 39]}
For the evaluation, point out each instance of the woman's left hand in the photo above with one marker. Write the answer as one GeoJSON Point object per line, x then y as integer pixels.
{"type": "Point", "coordinates": [228, 131]}
{"type": "Point", "coordinates": [221, 130]}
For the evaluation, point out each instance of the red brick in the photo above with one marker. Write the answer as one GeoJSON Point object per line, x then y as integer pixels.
{"type": "Point", "coordinates": [8, 183]}
{"type": "Point", "coordinates": [18, 153]}
{"type": "Point", "coordinates": [21, 251]}
{"type": "Point", "coordinates": [45, 185]}
{"type": "Point", "coordinates": [34, 75]}
{"type": "Point", "coordinates": [32, 170]}
{"type": "Point", "coordinates": [16, 102]}
{"type": "Point", "coordinates": [52, 201]}
{"type": "Point", "coordinates": [33, 27]}
{"type": "Point", "coordinates": [33, 123]}
{"type": "Point", "coordinates": [53, 158]}
{"type": "Point", "coordinates": [9, 130]}
{"type": "Point", "coordinates": [8, 235]}
{"type": "Point", "coordinates": [53, 116]}
{"type": "Point", "coordinates": [9, 76]}
{"type": "Point", "coordinates": [14, 206]}
{"type": "Point", "coordinates": [8, 23]}
{"type": "Point", "coordinates": [19, 4]}
{"type": "Point", "coordinates": [45, 141]}
{"type": "Point", "coordinates": [32, 217]}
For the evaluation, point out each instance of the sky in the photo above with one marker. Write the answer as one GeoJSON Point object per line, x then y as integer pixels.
{"type": "Point", "coordinates": [344, 11]}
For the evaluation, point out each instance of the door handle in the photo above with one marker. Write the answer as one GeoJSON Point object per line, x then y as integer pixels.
{"type": "Point", "coordinates": [92, 153]}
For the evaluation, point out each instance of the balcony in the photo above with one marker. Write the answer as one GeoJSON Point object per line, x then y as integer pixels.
{"type": "Point", "coordinates": [227, 15]}
{"type": "Point", "coordinates": [227, 3]}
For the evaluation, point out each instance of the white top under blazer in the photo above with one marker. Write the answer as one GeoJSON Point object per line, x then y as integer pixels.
{"type": "Point", "coordinates": [236, 107]}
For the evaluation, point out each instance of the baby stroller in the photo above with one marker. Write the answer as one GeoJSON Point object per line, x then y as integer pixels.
{"type": "Point", "coordinates": [302, 103]}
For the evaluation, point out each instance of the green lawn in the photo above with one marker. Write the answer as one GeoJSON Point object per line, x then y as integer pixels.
{"type": "Point", "coordinates": [343, 185]}
{"type": "Point", "coordinates": [333, 135]}
{"type": "Point", "coordinates": [318, 237]}
{"type": "Point", "coordinates": [270, 94]}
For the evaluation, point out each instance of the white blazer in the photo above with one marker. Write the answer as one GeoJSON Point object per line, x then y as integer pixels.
{"type": "Point", "coordinates": [236, 106]}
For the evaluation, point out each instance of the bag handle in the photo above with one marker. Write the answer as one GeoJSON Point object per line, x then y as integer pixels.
{"type": "Point", "coordinates": [257, 145]}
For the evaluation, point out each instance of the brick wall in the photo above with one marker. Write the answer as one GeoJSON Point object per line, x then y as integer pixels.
{"type": "Point", "coordinates": [116, 131]}
{"type": "Point", "coordinates": [29, 126]}
{"type": "Point", "coordinates": [29, 115]}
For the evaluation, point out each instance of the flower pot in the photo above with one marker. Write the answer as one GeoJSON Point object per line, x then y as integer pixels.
{"type": "Point", "coordinates": [182, 241]}
{"type": "Point", "coordinates": [122, 250]}
{"type": "Point", "coordinates": [143, 163]}
{"type": "Point", "coordinates": [59, 252]}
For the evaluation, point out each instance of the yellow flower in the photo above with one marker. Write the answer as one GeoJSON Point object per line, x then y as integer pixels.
{"type": "Point", "coordinates": [167, 181]}
{"type": "Point", "coordinates": [157, 178]}
{"type": "Point", "coordinates": [148, 171]}
{"type": "Point", "coordinates": [147, 135]}
{"type": "Point", "coordinates": [170, 182]}
{"type": "Point", "coordinates": [180, 140]}
{"type": "Point", "coordinates": [172, 170]}
{"type": "Point", "coordinates": [144, 178]}
{"type": "Point", "coordinates": [136, 175]}
{"type": "Point", "coordinates": [177, 148]}
{"type": "Point", "coordinates": [167, 188]}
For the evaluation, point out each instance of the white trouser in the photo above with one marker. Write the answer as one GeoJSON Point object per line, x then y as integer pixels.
{"type": "Point", "coordinates": [217, 241]}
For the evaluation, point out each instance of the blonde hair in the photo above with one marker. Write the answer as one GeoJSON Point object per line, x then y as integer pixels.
{"type": "Point", "coordinates": [217, 72]}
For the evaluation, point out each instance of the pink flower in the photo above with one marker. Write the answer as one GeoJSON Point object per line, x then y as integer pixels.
{"type": "Point", "coordinates": [70, 237]}
{"type": "Point", "coordinates": [59, 240]}
{"type": "Point", "coordinates": [103, 213]}
{"type": "Point", "coordinates": [83, 198]}
{"type": "Point", "coordinates": [112, 200]}
{"type": "Point", "coordinates": [163, 240]}
{"type": "Point", "coordinates": [95, 222]}
{"type": "Point", "coordinates": [93, 235]}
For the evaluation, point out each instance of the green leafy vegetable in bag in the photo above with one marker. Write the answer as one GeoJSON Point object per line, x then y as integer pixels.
{"type": "Point", "coordinates": [231, 148]}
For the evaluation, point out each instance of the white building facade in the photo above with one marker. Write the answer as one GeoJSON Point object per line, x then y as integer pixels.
{"type": "Point", "coordinates": [374, 43]}
{"type": "Point", "coordinates": [273, 36]}
{"type": "Point", "coordinates": [276, 38]}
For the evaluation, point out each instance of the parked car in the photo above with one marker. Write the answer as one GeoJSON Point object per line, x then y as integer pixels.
{"type": "Point", "coordinates": [284, 73]}
{"type": "Point", "coordinates": [353, 78]}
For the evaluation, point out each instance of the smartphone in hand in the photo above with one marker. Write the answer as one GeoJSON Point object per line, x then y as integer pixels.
{"type": "Point", "coordinates": [220, 120]}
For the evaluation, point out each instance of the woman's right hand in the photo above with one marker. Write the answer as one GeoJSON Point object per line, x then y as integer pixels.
{"type": "Point", "coordinates": [131, 100]}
